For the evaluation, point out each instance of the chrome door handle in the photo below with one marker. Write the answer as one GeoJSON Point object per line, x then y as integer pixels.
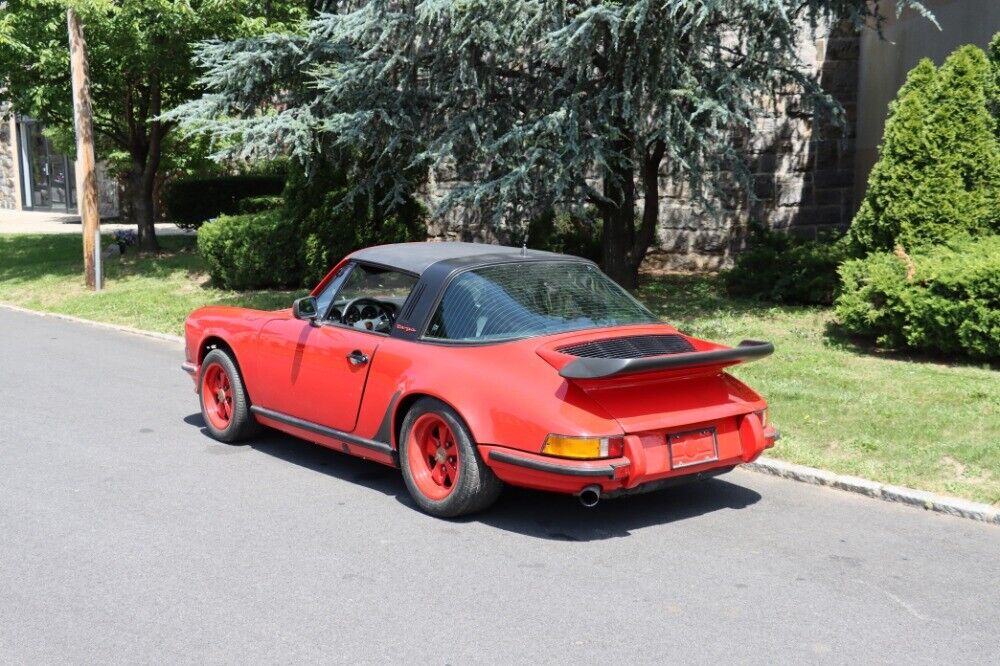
{"type": "Point", "coordinates": [357, 357]}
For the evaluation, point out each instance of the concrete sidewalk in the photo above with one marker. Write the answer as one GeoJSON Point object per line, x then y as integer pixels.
{"type": "Point", "coordinates": [30, 222]}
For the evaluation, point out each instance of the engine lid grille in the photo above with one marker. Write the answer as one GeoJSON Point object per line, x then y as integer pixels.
{"type": "Point", "coordinates": [633, 346]}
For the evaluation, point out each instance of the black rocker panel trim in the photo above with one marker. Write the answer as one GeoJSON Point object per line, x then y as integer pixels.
{"type": "Point", "coordinates": [371, 445]}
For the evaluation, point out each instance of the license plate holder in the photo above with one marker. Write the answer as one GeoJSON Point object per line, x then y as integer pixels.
{"type": "Point", "coordinates": [693, 447]}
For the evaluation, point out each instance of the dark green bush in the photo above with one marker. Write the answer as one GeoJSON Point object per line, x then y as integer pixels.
{"type": "Point", "coordinates": [578, 234]}
{"type": "Point", "coordinates": [193, 201]}
{"type": "Point", "coordinates": [330, 229]}
{"type": "Point", "coordinates": [784, 269]}
{"type": "Point", "coordinates": [251, 251]}
{"type": "Point", "coordinates": [327, 236]}
{"type": "Point", "coordinates": [938, 173]}
{"type": "Point", "coordinates": [941, 299]}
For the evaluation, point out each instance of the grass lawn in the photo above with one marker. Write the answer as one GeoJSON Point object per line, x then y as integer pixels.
{"type": "Point", "coordinates": [151, 293]}
{"type": "Point", "coordinates": [918, 423]}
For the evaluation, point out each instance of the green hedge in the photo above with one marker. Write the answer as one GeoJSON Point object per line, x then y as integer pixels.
{"type": "Point", "coordinates": [944, 299]}
{"type": "Point", "coordinates": [191, 202]}
{"type": "Point", "coordinates": [784, 269]}
{"type": "Point", "coordinates": [252, 251]}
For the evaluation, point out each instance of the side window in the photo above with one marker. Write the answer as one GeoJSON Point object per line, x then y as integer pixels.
{"type": "Point", "coordinates": [371, 297]}
{"type": "Point", "coordinates": [378, 283]}
{"type": "Point", "coordinates": [325, 297]}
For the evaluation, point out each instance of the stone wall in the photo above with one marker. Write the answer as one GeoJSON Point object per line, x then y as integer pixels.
{"type": "Point", "coordinates": [803, 175]}
{"type": "Point", "coordinates": [8, 184]}
{"type": "Point", "coordinates": [803, 171]}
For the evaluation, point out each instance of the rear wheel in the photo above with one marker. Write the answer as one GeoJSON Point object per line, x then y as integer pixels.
{"type": "Point", "coordinates": [224, 403]}
{"type": "Point", "coordinates": [441, 464]}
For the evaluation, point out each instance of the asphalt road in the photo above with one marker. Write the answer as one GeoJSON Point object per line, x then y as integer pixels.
{"type": "Point", "coordinates": [127, 535]}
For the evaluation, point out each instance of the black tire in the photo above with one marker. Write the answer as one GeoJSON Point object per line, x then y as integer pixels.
{"type": "Point", "coordinates": [476, 487]}
{"type": "Point", "coordinates": [242, 424]}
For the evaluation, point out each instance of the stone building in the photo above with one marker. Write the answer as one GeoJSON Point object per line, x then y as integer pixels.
{"type": "Point", "coordinates": [34, 176]}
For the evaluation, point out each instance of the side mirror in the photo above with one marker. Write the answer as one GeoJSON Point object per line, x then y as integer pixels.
{"type": "Point", "coordinates": [306, 309]}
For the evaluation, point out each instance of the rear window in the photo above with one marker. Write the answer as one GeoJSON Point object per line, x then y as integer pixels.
{"type": "Point", "coordinates": [518, 300]}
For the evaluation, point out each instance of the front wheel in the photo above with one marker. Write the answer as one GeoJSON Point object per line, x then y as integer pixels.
{"type": "Point", "coordinates": [225, 406]}
{"type": "Point", "coordinates": [441, 464]}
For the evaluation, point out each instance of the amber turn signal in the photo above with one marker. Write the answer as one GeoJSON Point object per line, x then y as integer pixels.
{"type": "Point", "coordinates": [583, 447]}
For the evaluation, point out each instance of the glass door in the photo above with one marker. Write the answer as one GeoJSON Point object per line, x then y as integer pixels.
{"type": "Point", "coordinates": [49, 179]}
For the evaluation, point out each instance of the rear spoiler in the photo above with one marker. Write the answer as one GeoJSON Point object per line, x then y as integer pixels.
{"type": "Point", "coordinates": [599, 368]}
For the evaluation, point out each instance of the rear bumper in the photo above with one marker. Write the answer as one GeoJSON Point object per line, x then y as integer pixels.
{"type": "Point", "coordinates": [646, 465]}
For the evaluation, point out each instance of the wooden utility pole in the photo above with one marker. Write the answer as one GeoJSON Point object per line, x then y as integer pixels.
{"type": "Point", "coordinates": [86, 179]}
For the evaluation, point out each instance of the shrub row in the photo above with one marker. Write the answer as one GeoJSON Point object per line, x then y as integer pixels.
{"type": "Point", "coordinates": [941, 299]}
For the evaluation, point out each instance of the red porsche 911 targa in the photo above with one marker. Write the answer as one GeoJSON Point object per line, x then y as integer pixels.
{"type": "Point", "coordinates": [470, 366]}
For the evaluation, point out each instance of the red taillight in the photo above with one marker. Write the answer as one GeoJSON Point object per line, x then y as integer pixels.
{"type": "Point", "coordinates": [616, 447]}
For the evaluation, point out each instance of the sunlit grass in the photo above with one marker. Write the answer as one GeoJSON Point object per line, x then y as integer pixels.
{"type": "Point", "coordinates": [913, 422]}
{"type": "Point", "coordinates": [155, 293]}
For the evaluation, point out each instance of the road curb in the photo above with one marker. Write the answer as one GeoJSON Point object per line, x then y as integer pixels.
{"type": "Point", "coordinates": [99, 324]}
{"type": "Point", "coordinates": [889, 493]}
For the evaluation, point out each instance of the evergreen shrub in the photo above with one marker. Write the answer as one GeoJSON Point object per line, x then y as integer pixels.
{"type": "Point", "coordinates": [781, 268]}
{"type": "Point", "coordinates": [941, 299]}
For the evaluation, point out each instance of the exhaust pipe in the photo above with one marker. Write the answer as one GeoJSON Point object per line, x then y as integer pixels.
{"type": "Point", "coordinates": [590, 496]}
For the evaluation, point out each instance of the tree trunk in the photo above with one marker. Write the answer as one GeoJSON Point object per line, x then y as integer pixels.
{"type": "Point", "coordinates": [618, 235]}
{"type": "Point", "coordinates": [617, 246]}
{"type": "Point", "coordinates": [141, 201]}
{"type": "Point", "coordinates": [625, 245]}
{"type": "Point", "coordinates": [145, 146]}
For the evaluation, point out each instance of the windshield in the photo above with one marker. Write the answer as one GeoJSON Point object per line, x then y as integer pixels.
{"type": "Point", "coordinates": [519, 300]}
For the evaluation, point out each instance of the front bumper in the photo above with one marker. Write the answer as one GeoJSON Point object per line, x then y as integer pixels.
{"type": "Point", "coordinates": [193, 370]}
{"type": "Point", "coordinates": [647, 463]}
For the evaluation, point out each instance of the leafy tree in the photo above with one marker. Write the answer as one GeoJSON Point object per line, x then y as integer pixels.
{"type": "Point", "coordinates": [532, 104]}
{"type": "Point", "coordinates": [140, 65]}
{"type": "Point", "coordinates": [938, 172]}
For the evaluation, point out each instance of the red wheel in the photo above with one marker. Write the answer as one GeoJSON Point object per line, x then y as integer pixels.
{"type": "Point", "coordinates": [441, 464]}
{"type": "Point", "coordinates": [224, 402]}
{"type": "Point", "coordinates": [433, 456]}
{"type": "Point", "coordinates": [217, 392]}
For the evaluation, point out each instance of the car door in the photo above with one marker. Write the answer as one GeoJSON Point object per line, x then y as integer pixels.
{"type": "Point", "coordinates": [317, 371]}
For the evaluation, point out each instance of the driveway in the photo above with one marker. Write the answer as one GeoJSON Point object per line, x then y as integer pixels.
{"type": "Point", "coordinates": [127, 535]}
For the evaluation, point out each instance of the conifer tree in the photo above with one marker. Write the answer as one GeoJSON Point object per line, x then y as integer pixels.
{"type": "Point", "coordinates": [532, 104]}
{"type": "Point", "coordinates": [938, 173]}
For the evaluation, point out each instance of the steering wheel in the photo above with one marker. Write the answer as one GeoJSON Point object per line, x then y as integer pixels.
{"type": "Point", "coordinates": [367, 313]}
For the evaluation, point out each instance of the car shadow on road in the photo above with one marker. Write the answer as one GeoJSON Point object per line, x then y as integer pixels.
{"type": "Point", "coordinates": [519, 510]}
